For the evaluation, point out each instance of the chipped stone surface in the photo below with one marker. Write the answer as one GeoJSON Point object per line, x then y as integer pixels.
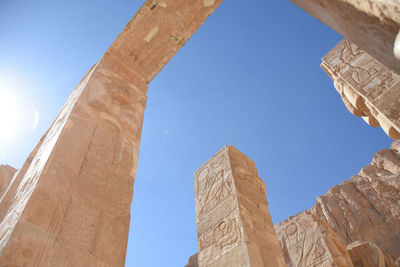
{"type": "Point", "coordinates": [371, 24]}
{"type": "Point", "coordinates": [307, 241]}
{"type": "Point", "coordinates": [368, 88]}
{"type": "Point", "coordinates": [365, 208]}
{"type": "Point", "coordinates": [234, 227]}
{"type": "Point", "coordinates": [69, 205]}
{"type": "Point", "coordinates": [367, 254]}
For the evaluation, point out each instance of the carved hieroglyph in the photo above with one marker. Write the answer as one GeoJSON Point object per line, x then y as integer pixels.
{"type": "Point", "coordinates": [234, 227]}
{"type": "Point", "coordinates": [69, 205]}
{"type": "Point", "coordinates": [305, 241]}
{"type": "Point", "coordinates": [368, 88]}
{"type": "Point", "coordinates": [364, 209]}
{"type": "Point", "coordinates": [371, 24]}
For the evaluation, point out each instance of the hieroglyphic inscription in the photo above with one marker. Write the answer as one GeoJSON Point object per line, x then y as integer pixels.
{"type": "Point", "coordinates": [223, 234]}
{"type": "Point", "coordinates": [234, 227]}
{"type": "Point", "coordinates": [368, 88]}
{"type": "Point", "coordinates": [213, 185]}
{"type": "Point", "coordinates": [297, 237]}
{"type": "Point", "coordinates": [306, 242]}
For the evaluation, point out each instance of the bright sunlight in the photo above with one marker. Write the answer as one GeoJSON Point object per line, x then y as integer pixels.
{"type": "Point", "coordinates": [9, 116]}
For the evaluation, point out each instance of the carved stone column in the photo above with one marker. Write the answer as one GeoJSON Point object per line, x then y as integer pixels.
{"type": "Point", "coordinates": [69, 205]}
{"type": "Point", "coordinates": [371, 24]}
{"type": "Point", "coordinates": [368, 88]}
{"type": "Point", "coordinates": [234, 227]}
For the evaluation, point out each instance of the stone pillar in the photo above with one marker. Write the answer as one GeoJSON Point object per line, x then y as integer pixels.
{"type": "Point", "coordinates": [6, 175]}
{"type": "Point", "coordinates": [368, 88]}
{"type": "Point", "coordinates": [234, 227]}
{"type": "Point", "coordinates": [70, 203]}
{"type": "Point", "coordinates": [372, 25]}
{"type": "Point", "coordinates": [306, 241]}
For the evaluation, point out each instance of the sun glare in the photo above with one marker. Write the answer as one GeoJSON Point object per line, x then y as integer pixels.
{"type": "Point", "coordinates": [9, 116]}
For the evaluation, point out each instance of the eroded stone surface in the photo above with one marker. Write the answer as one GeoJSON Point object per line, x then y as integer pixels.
{"type": "Point", "coordinates": [193, 261]}
{"type": "Point", "coordinates": [371, 24]}
{"type": "Point", "coordinates": [306, 241]}
{"type": "Point", "coordinates": [365, 208]}
{"type": "Point", "coordinates": [368, 88]}
{"type": "Point", "coordinates": [69, 205]}
{"type": "Point", "coordinates": [234, 227]}
{"type": "Point", "coordinates": [6, 174]}
{"type": "Point", "coordinates": [367, 254]}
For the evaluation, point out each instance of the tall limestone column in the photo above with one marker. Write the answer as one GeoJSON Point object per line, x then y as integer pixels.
{"type": "Point", "coordinates": [234, 227]}
{"type": "Point", "coordinates": [373, 25]}
{"type": "Point", "coordinates": [69, 205]}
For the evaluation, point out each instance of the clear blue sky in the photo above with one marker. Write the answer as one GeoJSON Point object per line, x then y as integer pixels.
{"type": "Point", "coordinates": [249, 77]}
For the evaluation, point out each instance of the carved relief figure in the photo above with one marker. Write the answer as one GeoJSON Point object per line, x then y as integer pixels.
{"type": "Point", "coordinates": [224, 234]}
{"type": "Point", "coordinates": [303, 247]}
{"type": "Point", "coordinates": [213, 186]}
{"type": "Point", "coordinates": [354, 57]}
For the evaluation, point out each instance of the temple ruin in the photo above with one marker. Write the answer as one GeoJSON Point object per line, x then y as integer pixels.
{"type": "Point", "coordinates": [234, 226]}
{"type": "Point", "coordinates": [69, 204]}
{"type": "Point", "coordinates": [368, 88]}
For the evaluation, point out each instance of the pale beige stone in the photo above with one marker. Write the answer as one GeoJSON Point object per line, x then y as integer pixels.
{"type": "Point", "coordinates": [234, 227]}
{"type": "Point", "coordinates": [306, 241]}
{"type": "Point", "coordinates": [367, 207]}
{"type": "Point", "coordinates": [372, 25]}
{"type": "Point", "coordinates": [362, 213]}
{"type": "Point", "coordinates": [367, 254]}
{"type": "Point", "coordinates": [69, 205]}
{"type": "Point", "coordinates": [368, 88]}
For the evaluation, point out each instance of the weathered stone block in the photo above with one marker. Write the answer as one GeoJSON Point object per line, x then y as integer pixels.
{"type": "Point", "coordinates": [234, 227]}
{"type": "Point", "coordinates": [368, 88]}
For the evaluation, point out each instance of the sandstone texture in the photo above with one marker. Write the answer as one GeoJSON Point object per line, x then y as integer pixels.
{"type": "Point", "coordinates": [234, 227]}
{"type": "Point", "coordinates": [193, 261]}
{"type": "Point", "coordinates": [307, 241]}
{"type": "Point", "coordinates": [69, 205]}
{"type": "Point", "coordinates": [362, 213]}
{"type": "Point", "coordinates": [367, 254]}
{"type": "Point", "coordinates": [371, 24]}
{"type": "Point", "coordinates": [6, 174]}
{"type": "Point", "coordinates": [368, 88]}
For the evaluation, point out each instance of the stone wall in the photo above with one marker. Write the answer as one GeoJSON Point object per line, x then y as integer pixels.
{"type": "Point", "coordinates": [365, 208]}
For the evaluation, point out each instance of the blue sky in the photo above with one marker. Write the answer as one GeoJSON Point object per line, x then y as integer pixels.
{"type": "Point", "coordinates": [249, 77]}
